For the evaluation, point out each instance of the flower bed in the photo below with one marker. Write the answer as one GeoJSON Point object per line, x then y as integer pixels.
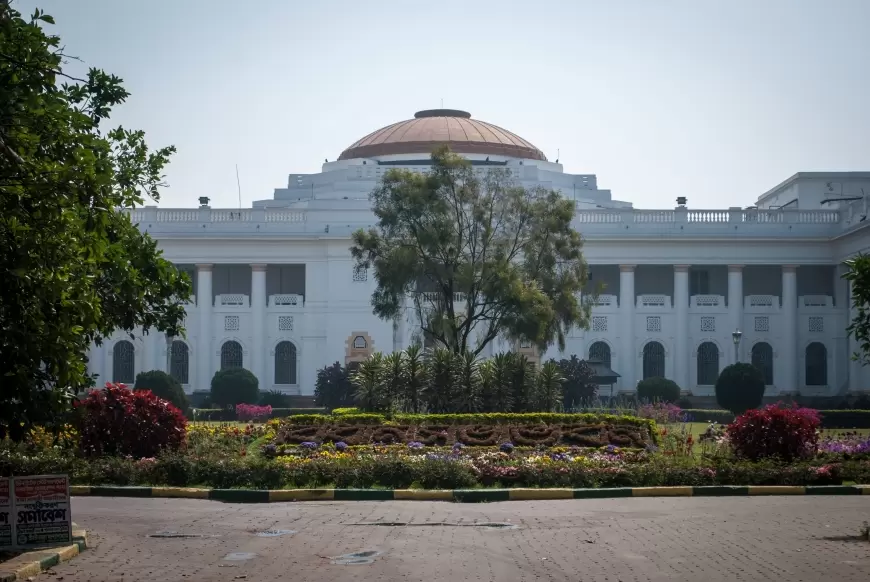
{"type": "Point", "coordinates": [577, 434]}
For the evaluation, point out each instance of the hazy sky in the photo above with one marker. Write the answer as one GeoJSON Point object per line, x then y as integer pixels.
{"type": "Point", "coordinates": [714, 100]}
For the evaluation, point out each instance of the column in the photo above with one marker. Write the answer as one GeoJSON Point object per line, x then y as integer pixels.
{"type": "Point", "coordinates": [97, 363]}
{"type": "Point", "coordinates": [203, 349]}
{"type": "Point", "coordinates": [627, 357]}
{"type": "Point", "coordinates": [681, 337]}
{"type": "Point", "coordinates": [735, 307]}
{"type": "Point", "coordinates": [258, 324]}
{"type": "Point", "coordinates": [789, 354]}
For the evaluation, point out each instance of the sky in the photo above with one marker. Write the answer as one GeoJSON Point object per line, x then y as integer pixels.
{"type": "Point", "coordinates": [718, 101]}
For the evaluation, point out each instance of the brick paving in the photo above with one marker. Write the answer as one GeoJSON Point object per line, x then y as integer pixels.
{"type": "Point", "coordinates": [625, 540]}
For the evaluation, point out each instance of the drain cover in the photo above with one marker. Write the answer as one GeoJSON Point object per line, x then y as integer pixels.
{"type": "Point", "coordinates": [239, 556]}
{"type": "Point", "coordinates": [274, 533]}
{"type": "Point", "coordinates": [175, 534]}
{"type": "Point", "coordinates": [356, 558]}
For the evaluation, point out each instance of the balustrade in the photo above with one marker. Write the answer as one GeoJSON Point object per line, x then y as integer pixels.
{"type": "Point", "coordinates": [761, 302]}
{"type": "Point", "coordinates": [707, 301]}
{"type": "Point", "coordinates": [816, 301]}
{"type": "Point", "coordinates": [286, 299]}
{"type": "Point", "coordinates": [232, 300]}
{"type": "Point", "coordinates": [653, 301]}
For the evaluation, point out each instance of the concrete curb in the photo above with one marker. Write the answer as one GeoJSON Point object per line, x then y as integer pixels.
{"type": "Point", "coordinates": [30, 564]}
{"type": "Point", "coordinates": [459, 495]}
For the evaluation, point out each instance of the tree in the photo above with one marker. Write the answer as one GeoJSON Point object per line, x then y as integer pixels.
{"type": "Point", "coordinates": [74, 268]}
{"type": "Point", "coordinates": [234, 386]}
{"type": "Point", "coordinates": [578, 388]}
{"type": "Point", "coordinates": [164, 386]}
{"type": "Point", "coordinates": [548, 387]}
{"type": "Point", "coordinates": [333, 388]}
{"type": "Point", "coordinates": [658, 389]}
{"type": "Point", "coordinates": [858, 275]}
{"type": "Point", "coordinates": [740, 387]}
{"type": "Point", "coordinates": [478, 257]}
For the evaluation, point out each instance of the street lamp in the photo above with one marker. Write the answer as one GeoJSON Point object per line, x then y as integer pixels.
{"type": "Point", "coordinates": [736, 337]}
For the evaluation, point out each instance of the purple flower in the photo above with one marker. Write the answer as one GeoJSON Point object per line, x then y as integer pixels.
{"type": "Point", "coordinates": [506, 448]}
{"type": "Point", "coordinates": [309, 445]}
{"type": "Point", "coordinates": [270, 450]}
{"type": "Point", "coordinates": [340, 446]}
{"type": "Point", "coordinates": [416, 445]}
{"type": "Point", "coordinates": [610, 449]}
{"type": "Point", "coordinates": [458, 447]}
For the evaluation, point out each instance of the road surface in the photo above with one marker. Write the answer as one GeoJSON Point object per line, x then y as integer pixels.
{"type": "Point", "coordinates": [692, 539]}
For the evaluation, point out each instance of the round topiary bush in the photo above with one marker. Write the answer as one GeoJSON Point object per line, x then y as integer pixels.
{"type": "Point", "coordinates": [234, 386]}
{"type": "Point", "coordinates": [163, 386]}
{"type": "Point", "coordinates": [658, 389]}
{"type": "Point", "coordinates": [117, 421]}
{"type": "Point", "coordinates": [740, 387]}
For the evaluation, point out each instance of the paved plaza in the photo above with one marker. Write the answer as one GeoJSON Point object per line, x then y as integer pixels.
{"type": "Point", "coordinates": [628, 540]}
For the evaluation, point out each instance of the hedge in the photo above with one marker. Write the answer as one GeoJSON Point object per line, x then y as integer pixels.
{"type": "Point", "coordinates": [221, 415]}
{"type": "Point", "coordinates": [839, 419]}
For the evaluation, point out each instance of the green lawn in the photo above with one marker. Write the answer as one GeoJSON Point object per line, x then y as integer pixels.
{"type": "Point", "coordinates": [698, 428]}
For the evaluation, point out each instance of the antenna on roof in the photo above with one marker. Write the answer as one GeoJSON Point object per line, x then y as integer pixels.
{"type": "Point", "coordinates": [239, 186]}
{"type": "Point", "coordinates": [558, 151]}
{"type": "Point", "coordinates": [442, 103]}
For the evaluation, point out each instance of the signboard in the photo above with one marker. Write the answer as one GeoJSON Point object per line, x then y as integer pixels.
{"type": "Point", "coordinates": [6, 520]}
{"type": "Point", "coordinates": [41, 510]}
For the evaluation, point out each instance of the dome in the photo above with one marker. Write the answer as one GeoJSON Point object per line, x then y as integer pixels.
{"type": "Point", "coordinates": [435, 127]}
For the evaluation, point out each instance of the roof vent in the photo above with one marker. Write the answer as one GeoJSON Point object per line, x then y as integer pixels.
{"type": "Point", "coordinates": [442, 113]}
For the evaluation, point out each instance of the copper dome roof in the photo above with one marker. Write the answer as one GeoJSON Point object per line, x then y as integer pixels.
{"type": "Point", "coordinates": [434, 127]}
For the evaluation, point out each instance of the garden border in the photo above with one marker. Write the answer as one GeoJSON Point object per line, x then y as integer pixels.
{"type": "Point", "coordinates": [30, 564]}
{"type": "Point", "coordinates": [458, 495]}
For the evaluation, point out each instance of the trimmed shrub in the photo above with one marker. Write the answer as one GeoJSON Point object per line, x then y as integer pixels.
{"type": "Point", "coordinates": [274, 398]}
{"type": "Point", "coordinates": [775, 431]}
{"type": "Point", "coordinates": [120, 422]}
{"type": "Point", "coordinates": [657, 389]}
{"type": "Point", "coordinates": [234, 386]}
{"type": "Point", "coordinates": [346, 411]}
{"type": "Point", "coordinates": [224, 415]}
{"type": "Point", "coordinates": [740, 387]}
{"type": "Point", "coordinates": [163, 386]}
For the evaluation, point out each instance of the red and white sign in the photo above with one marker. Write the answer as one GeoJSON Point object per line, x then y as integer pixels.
{"type": "Point", "coordinates": [41, 511]}
{"type": "Point", "coordinates": [6, 517]}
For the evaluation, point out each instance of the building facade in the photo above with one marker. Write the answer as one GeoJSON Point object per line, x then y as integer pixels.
{"type": "Point", "coordinates": [276, 291]}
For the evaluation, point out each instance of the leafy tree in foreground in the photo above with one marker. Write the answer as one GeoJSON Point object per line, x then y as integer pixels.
{"type": "Point", "coordinates": [509, 250]}
{"type": "Point", "coordinates": [73, 267]}
{"type": "Point", "coordinates": [858, 275]}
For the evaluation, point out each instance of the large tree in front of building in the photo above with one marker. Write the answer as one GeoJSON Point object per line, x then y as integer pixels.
{"type": "Point", "coordinates": [510, 252]}
{"type": "Point", "coordinates": [858, 276]}
{"type": "Point", "coordinates": [73, 267]}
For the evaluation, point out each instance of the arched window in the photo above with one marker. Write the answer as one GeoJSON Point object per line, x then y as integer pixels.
{"type": "Point", "coordinates": [359, 343]}
{"type": "Point", "coordinates": [817, 364]}
{"type": "Point", "coordinates": [708, 364]}
{"type": "Point", "coordinates": [600, 352]}
{"type": "Point", "coordinates": [762, 358]}
{"type": "Point", "coordinates": [285, 363]}
{"type": "Point", "coordinates": [653, 360]}
{"type": "Point", "coordinates": [179, 363]}
{"type": "Point", "coordinates": [123, 367]}
{"type": "Point", "coordinates": [231, 355]}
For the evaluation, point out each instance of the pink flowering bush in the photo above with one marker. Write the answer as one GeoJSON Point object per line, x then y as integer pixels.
{"type": "Point", "coordinates": [775, 431]}
{"type": "Point", "coordinates": [118, 421]}
{"type": "Point", "coordinates": [253, 413]}
{"type": "Point", "coordinates": [661, 412]}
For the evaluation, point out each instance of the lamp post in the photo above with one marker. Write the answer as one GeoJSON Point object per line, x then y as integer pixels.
{"type": "Point", "coordinates": [736, 337]}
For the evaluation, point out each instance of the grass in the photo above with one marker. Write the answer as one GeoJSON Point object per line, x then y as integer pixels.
{"type": "Point", "coordinates": [698, 428]}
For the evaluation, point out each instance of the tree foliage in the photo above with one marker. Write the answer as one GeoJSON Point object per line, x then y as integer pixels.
{"type": "Point", "coordinates": [578, 389]}
{"type": "Point", "coordinates": [658, 389]}
{"type": "Point", "coordinates": [858, 275]}
{"type": "Point", "coordinates": [164, 386]}
{"type": "Point", "coordinates": [510, 252]}
{"type": "Point", "coordinates": [740, 387]}
{"type": "Point", "coordinates": [74, 268]}
{"type": "Point", "coordinates": [234, 386]}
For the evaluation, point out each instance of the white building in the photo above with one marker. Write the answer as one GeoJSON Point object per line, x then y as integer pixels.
{"type": "Point", "coordinates": [275, 289]}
